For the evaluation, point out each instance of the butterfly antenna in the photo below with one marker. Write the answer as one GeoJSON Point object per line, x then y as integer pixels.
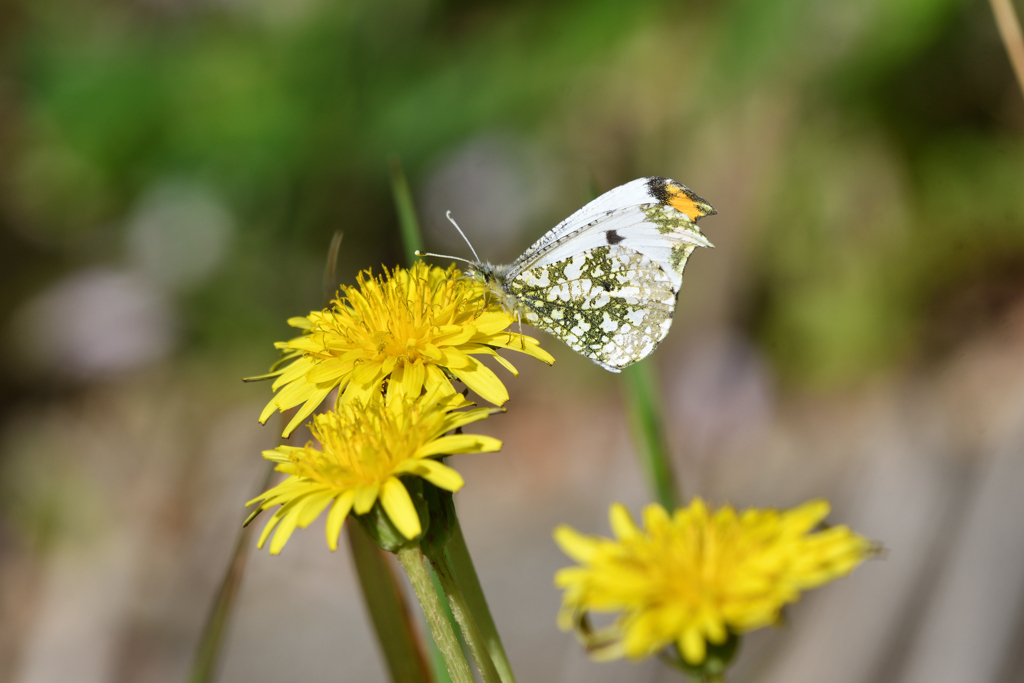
{"type": "Point", "coordinates": [454, 258]}
{"type": "Point", "coordinates": [475, 255]}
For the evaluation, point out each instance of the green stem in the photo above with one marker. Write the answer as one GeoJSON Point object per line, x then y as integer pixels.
{"type": "Point", "coordinates": [464, 615]}
{"type": "Point", "coordinates": [208, 654]}
{"type": "Point", "coordinates": [412, 559]}
{"type": "Point", "coordinates": [412, 241]}
{"type": "Point", "coordinates": [388, 610]}
{"type": "Point", "coordinates": [436, 660]}
{"type": "Point", "coordinates": [382, 594]}
{"type": "Point", "coordinates": [648, 424]}
{"type": "Point", "coordinates": [406, 208]}
{"type": "Point", "coordinates": [465, 574]}
{"type": "Point", "coordinates": [331, 268]}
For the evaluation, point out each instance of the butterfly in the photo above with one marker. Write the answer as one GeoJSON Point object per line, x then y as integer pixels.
{"type": "Point", "coordinates": [605, 279]}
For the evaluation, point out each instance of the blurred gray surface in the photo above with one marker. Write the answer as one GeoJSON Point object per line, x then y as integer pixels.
{"type": "Point", "coordinates": [930, 465]}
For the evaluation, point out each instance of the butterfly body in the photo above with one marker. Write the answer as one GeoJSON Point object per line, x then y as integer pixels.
{"type": "Point", "coordinates": [605, 279]}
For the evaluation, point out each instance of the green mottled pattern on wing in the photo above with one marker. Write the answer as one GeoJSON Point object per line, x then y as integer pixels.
{"type": "Point", "coordinates": [610, 304]}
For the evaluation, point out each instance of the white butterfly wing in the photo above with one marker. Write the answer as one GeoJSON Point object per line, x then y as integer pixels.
{"type": "Point", "coordinates": [605, 279]}
{"type": "Point", "coordinates": [666, 237]}
{"type": "Point", "coordinates": [631, 194]}
{"type": "Point", "coordinates": [655, 216]}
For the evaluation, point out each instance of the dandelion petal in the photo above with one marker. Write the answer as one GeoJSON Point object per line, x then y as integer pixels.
{"type": "Point", "coordinates": [460, 443]}
{"type": "Point", "coordinates": [412, 379]}
{"type": "Point", "coordinates": [336, 517]}
{"type": "Point", "coordinates": [622, 523]}
{"type": "Point", "coordinates": [483, 381]}
{"type": "Point", "coordinates": [436, 473]}
{"type": "Point", "coordinates": [398, 505]}
{"type": "Point", "coordinates": [365, 497]}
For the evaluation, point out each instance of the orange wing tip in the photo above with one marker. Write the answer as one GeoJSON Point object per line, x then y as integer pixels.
{"type": "Point", "coordinates": [680, 198]}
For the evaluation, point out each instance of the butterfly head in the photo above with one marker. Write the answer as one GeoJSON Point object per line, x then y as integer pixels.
{"type": "Point", "coordinates": [491, 276]}
{"type": "Point", "coordinates": [494, 278]}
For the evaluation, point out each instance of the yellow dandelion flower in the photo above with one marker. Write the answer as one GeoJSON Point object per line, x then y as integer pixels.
{"type": "Point", "coordinates": [365, 447]}
{"type": "Point", "coordinates": [697, 576]}
{"type": "Point", "coordinates": [420, 326]}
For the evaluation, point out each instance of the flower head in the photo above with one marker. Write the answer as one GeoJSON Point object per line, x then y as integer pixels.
{"type": "Point", "coordinates": [698, 576]}
{"type": "Point", "coordinates": [365, 447]}
{"type": "Point", "coordinates": [420, 326]}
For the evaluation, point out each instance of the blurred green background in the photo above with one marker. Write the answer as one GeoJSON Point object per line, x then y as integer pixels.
{"type": "Point", "coordinates": [171, 173]}
{"type": "Point", "coordinates": [877, 145]}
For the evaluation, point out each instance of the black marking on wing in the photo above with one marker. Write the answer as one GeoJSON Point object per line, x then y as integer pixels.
{"type": "Point", "coordinates": [613, 237]}
{"type": "Point", "coordinates": [656, 186]}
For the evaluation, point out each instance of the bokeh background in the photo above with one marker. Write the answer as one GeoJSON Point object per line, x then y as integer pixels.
{"type": "Point", "coordinates": [171, 173]}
